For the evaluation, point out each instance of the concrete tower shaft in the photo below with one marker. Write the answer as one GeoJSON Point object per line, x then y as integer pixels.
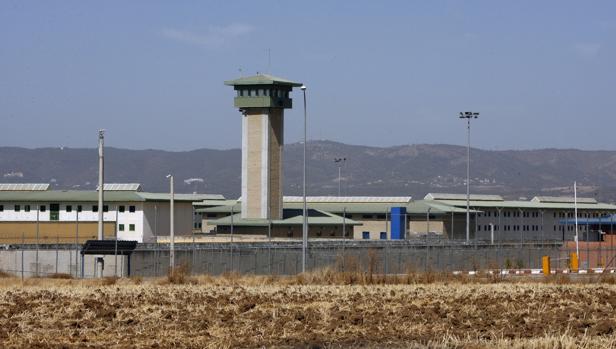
{"type": "Point", "coordinates": [262, 100]}
{"type": "Point", "coordinates": [262, 145]}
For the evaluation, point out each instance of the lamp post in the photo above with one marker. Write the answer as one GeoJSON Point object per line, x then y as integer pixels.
{"type": "Point", "coordinates": [305, 211]}
{"type": "Point", "coordinates": [171, 225]}
{"type": "Point", "coordinates": [468, 115]}
{"type": "Point", "coordinates": [340, 162]}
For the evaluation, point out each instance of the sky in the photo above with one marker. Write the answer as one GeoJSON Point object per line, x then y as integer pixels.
{"type": "Point", "coordinates": [381, 73]}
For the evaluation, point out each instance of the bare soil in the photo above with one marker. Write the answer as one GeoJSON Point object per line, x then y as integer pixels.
{"type": "Point", "coordinates": [123, 313]}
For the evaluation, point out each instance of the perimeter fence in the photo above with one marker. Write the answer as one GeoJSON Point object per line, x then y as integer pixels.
{"type": "Point", "coordinates": [286, 257]}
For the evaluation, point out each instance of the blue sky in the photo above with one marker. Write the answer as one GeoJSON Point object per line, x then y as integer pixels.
{"type": "Point", "coordinates": [378, 73]}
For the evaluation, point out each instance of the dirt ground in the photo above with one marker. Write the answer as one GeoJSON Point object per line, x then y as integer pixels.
{"type": "Point", "coordinates": [122, 314]}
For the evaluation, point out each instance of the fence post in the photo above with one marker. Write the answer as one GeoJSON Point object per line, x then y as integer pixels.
{"type": "Point", "coordinates": [57, 243]}
{"type": "Point", "coordinates": [23, 242]}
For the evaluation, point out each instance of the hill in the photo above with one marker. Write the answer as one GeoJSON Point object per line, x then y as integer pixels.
{"type": "Point", "coordinates": [401, 170]}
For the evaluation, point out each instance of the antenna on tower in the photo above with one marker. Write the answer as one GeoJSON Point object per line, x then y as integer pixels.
{"type": "Point", "coordinates": [240, 70]}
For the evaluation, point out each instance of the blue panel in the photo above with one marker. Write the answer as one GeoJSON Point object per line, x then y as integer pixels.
{"type": "Point", "coordinates": [383, 235]}
{"type": "Point", "coordinates": [365, 235]}
{"type": "Point", "coordinates": [398, 223]}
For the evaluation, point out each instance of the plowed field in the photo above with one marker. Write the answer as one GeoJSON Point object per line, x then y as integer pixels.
{"type": "Point", "coordinates": [391, 316]}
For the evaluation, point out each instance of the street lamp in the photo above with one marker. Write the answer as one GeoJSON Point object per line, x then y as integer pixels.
{"type": "Point", "coordinates": [171, 225]}
{"type": "Point", "coordinates": [305, 212]}
{"type": "Point", "coordinates": [340, 162]}
{"type": "Point", "coordinates": [468, 115]}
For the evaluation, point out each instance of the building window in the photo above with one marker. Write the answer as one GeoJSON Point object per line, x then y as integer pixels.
{"type": "Point", "coordinates": [43, 208]}
{"type": "Point", "coordinates": [381, 216]}
{"type": "Point", "coordinates": [121, 227]}
{"type": "Point", "coordinates": [131, 208]}
{"type": "Point", "coordinates": [26, 208]}
{"type": "Point", "coordinates": [94, 208]}
{"type": "Point", "coordinates": [79, 208]}
{"type": "Point", "coordinates": [17, 208]}
{"type": "Point", "coordinates": [121, 208]}
{"type": "Point", "coordinates": [479, 227]}
{"type": "Point", "coordinates": [69, 208]}
{"type": "Point", "coordinates": [131, 227]}
{"type": "Point", "coordinates": [383, 235]}
{"type": "Point", "coordinates": [105, 208]}
{"type": "Point", "coordinates": [365, 235]}
{"type": "Point", "coordinates": [366, 216]}
{"type": "Point", "coordinates": [1, 208]}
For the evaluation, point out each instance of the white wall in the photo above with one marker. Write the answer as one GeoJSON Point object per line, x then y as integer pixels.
{"type": "Point", "coordinates": [86, 215]}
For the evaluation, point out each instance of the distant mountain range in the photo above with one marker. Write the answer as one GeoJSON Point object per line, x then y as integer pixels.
{"type": "Point", "coordinates": [401, 170]}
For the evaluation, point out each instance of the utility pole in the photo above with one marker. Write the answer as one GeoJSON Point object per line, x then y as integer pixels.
{"type": "Point", "coordinates": [171, 225]}
{"type": "Point", "coordinates": [468, 116]}
{"type": "Point", "coordinates": [101, 190]}
{"type": "Point", "coordinates": [305, 212]}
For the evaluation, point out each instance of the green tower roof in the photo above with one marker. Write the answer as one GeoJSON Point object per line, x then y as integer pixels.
{"type": "Point", "coordinates": [262, 79]}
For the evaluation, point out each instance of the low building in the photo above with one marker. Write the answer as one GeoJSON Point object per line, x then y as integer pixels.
{"type": "Point", "coordinates": [32, 213]}
{"type": "Point", "coordinates": [369, 217]}
{"type": "Point", "coordinates": [541, 218]}
{"type": "Point", "coordinates": [491, 216]}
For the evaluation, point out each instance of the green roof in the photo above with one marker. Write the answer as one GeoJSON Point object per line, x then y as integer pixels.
{"type": "Point", "coordinates": [414, 207]}
{"type": "Point", "coordinates": [92, 196]}
{"type": "Point", "coordinates": [262, 79]}
{"type": "Point", "coordinates": [477, 197]}
{"type": "Point", "coordinates": [324, 218]}
{"type": "Point", "coordinates": [214, 202]}
{"type": "Point", "coordinates": [529, 204]}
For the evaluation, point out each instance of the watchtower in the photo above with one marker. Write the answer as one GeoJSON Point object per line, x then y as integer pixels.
{"type": "Point", "coordinates": [262, 100]}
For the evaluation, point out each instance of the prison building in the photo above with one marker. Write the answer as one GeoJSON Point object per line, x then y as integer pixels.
{"type": "Point", "coordinates": [541, 218]}
{"type": "Point", "coordinates": [32, 213]}
{"type": "Point", "coordinates": [366, 217]}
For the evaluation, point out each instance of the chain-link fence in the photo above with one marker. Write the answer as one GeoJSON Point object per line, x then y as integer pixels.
{"type": "Point", "coordinates": [285, 257]}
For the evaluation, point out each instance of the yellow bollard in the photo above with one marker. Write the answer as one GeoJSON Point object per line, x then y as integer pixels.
{"type": "Point", "coordinates": [573, 262]}
{"type": "Point", "coordinates": [545, 262]}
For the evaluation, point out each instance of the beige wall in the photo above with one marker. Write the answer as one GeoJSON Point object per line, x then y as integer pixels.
{"type": "Point", "coordinates": [374, 226]}
{"type": "Point", "coordinates": [254, 146]}
{"type": "Point", "coordinates": [421, 227]}
{"type": "Point", "coordinates": [276, 140]}
{"type": "Point", "coordinates": [262, 147]}
{"type": "Point", "coordinates": [52, 232]}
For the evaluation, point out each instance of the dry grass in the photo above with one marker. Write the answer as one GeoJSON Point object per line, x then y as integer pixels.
{"type": "Point", "coordinates": [326, 309]}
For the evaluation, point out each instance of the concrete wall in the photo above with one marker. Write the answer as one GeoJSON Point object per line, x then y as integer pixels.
{"type": "Point", "coordinates": [262, 143]}
{"type": "Point", "coordinates": [392, 257]}
{"type": "Point", "coordinates": [157, 219]}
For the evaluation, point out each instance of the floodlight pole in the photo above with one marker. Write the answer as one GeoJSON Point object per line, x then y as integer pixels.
{"type": "Point", "coordinates": [577, 239]}
{"type": "Point", "coordinates": [305, 211]}
{"type": "Point", "coordinates": [468, 116]}
{"type": "Point", "coordinates": [171, 224]}
{"type": "Point", "coordinates": [101, 190]}
{"type": "Point", "coordinates": [340, 162]}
